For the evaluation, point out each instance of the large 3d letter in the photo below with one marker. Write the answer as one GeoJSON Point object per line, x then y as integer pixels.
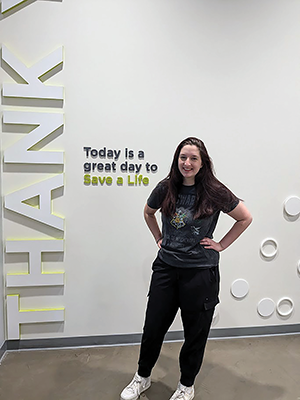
{"type": "Point", "coordinates": [34, 87]}
{"type": "Point", "coordinates": [15, 316]}
{"type": "Point", "coordinates": [9, 4]}
{"type": "Point", "coordinates": [45, 125]}
{"type": "Point", "coordinates": [15, 202]}
{"type": "Point", "coordinates": [35, 275]}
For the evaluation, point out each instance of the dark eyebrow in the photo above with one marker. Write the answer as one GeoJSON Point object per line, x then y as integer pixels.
{"type": "Point", "coordinates": [193, 155]}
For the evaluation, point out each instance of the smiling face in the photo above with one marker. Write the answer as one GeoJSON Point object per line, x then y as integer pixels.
{"type": "Point", "coordinates": [189, 163]}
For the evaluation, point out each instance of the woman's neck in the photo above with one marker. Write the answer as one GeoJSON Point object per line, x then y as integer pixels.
{"type": "Point", "coordinates": [188, 182]}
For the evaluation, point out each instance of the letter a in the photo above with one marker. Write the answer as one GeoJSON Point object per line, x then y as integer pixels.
{"type": "Point", "coordinates": [15, 202]}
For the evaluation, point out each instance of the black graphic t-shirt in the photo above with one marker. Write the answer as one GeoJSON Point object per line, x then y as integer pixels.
{"type": "Point", "coordinates": [182, 233]}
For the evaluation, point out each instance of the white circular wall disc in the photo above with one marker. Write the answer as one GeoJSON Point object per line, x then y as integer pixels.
{"type": "Point", "coordinates": [292, 206]}
{"type": "Point", "coordinates": [239, 288]}
{"type": "Point", "coordinates": [266, 307]}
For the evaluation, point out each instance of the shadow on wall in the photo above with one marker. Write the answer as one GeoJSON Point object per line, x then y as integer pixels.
{"type": "Point", "coordinates": [19, 5]}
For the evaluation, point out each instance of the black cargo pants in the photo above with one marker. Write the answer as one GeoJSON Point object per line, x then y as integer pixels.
{"type": "Point", "coordinates": [193, 290]}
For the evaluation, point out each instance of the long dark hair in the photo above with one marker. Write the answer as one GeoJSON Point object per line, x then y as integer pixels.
{"type": "Point", "coordinates": [211, 194]}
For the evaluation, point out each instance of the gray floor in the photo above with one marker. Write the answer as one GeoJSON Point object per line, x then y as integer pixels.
{"type": "Point", "coordinates": [265, 368]}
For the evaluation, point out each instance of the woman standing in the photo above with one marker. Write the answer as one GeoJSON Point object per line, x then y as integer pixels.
{"type": "Point", "coordinates": [185, 272]}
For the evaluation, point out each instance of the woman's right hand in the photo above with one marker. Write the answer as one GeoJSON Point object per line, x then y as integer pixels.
{"type": "Point", "coordinates": [149, 214]}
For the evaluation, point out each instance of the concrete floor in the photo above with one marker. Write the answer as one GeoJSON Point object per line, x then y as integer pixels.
{"type": "Point", "coordinates": [265, 368]}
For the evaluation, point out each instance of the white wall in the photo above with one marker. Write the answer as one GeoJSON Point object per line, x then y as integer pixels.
{"type": "Point", "coordinates": [144, 75]}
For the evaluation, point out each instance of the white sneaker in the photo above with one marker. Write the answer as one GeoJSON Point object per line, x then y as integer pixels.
{"type": "Point", "coordinates": [137, 386]}
{"type": "Point", "coordinates": [183, 393]}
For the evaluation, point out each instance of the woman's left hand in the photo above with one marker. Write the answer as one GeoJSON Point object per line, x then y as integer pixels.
{"type": "Point", "coordinates": [211, 244]}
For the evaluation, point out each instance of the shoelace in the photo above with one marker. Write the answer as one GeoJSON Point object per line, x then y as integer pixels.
{"type": "Point", "coordinates": [181, 393]}
{"type": "Point", "coordinates": [134, 385]}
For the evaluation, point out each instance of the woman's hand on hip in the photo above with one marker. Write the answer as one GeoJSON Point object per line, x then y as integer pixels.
{"type": "Point", "coordinates": [211, 244]}
{"type": "Point", "coordinates": [159, 242]}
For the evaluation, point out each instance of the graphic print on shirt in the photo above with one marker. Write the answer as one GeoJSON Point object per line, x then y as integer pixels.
{"type": "Point", "coordinates": [178, 221]}
{"type": "Point", "coordinates": [195, 230]}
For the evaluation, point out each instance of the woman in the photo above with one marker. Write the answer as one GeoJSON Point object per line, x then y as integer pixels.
{"type": "Point", "coordinates": [185, 272]}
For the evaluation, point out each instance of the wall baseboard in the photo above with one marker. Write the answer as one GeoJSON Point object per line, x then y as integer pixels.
{"type": "Point", "coordinates": [224, 333]}
{"type": "Point", "coordinates": [115, 340]}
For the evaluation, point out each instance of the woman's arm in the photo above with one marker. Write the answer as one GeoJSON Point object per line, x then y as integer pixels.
{"type": "Point", "coordinates": [150, 218]}
{"type": "Point", "coordinates": [243, 220]}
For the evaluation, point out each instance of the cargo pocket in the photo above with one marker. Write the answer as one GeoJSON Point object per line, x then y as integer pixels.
{"type": "Point", "coordinates": [211, 304]}
{"type": "Point", "coordinates": [212, 299]}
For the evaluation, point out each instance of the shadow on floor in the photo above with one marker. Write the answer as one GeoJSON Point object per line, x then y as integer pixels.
{"type": "Point", "coordinates": [101, 374]}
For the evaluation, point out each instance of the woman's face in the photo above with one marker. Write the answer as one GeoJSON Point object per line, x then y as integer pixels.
{"type": "Point", "coordinates": [189, 163]}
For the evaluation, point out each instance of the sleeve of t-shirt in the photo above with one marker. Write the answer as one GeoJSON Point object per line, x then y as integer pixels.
{"type": "Point", "coordinates": [231, 206]}
{"type": "Point", "coordinates": [230, 201]}
{"type": "Point", "coordinates": [157, 196]}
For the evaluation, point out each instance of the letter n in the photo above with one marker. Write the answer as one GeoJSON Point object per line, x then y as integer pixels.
{"type": "Point", "coordinates": [44, 125]}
